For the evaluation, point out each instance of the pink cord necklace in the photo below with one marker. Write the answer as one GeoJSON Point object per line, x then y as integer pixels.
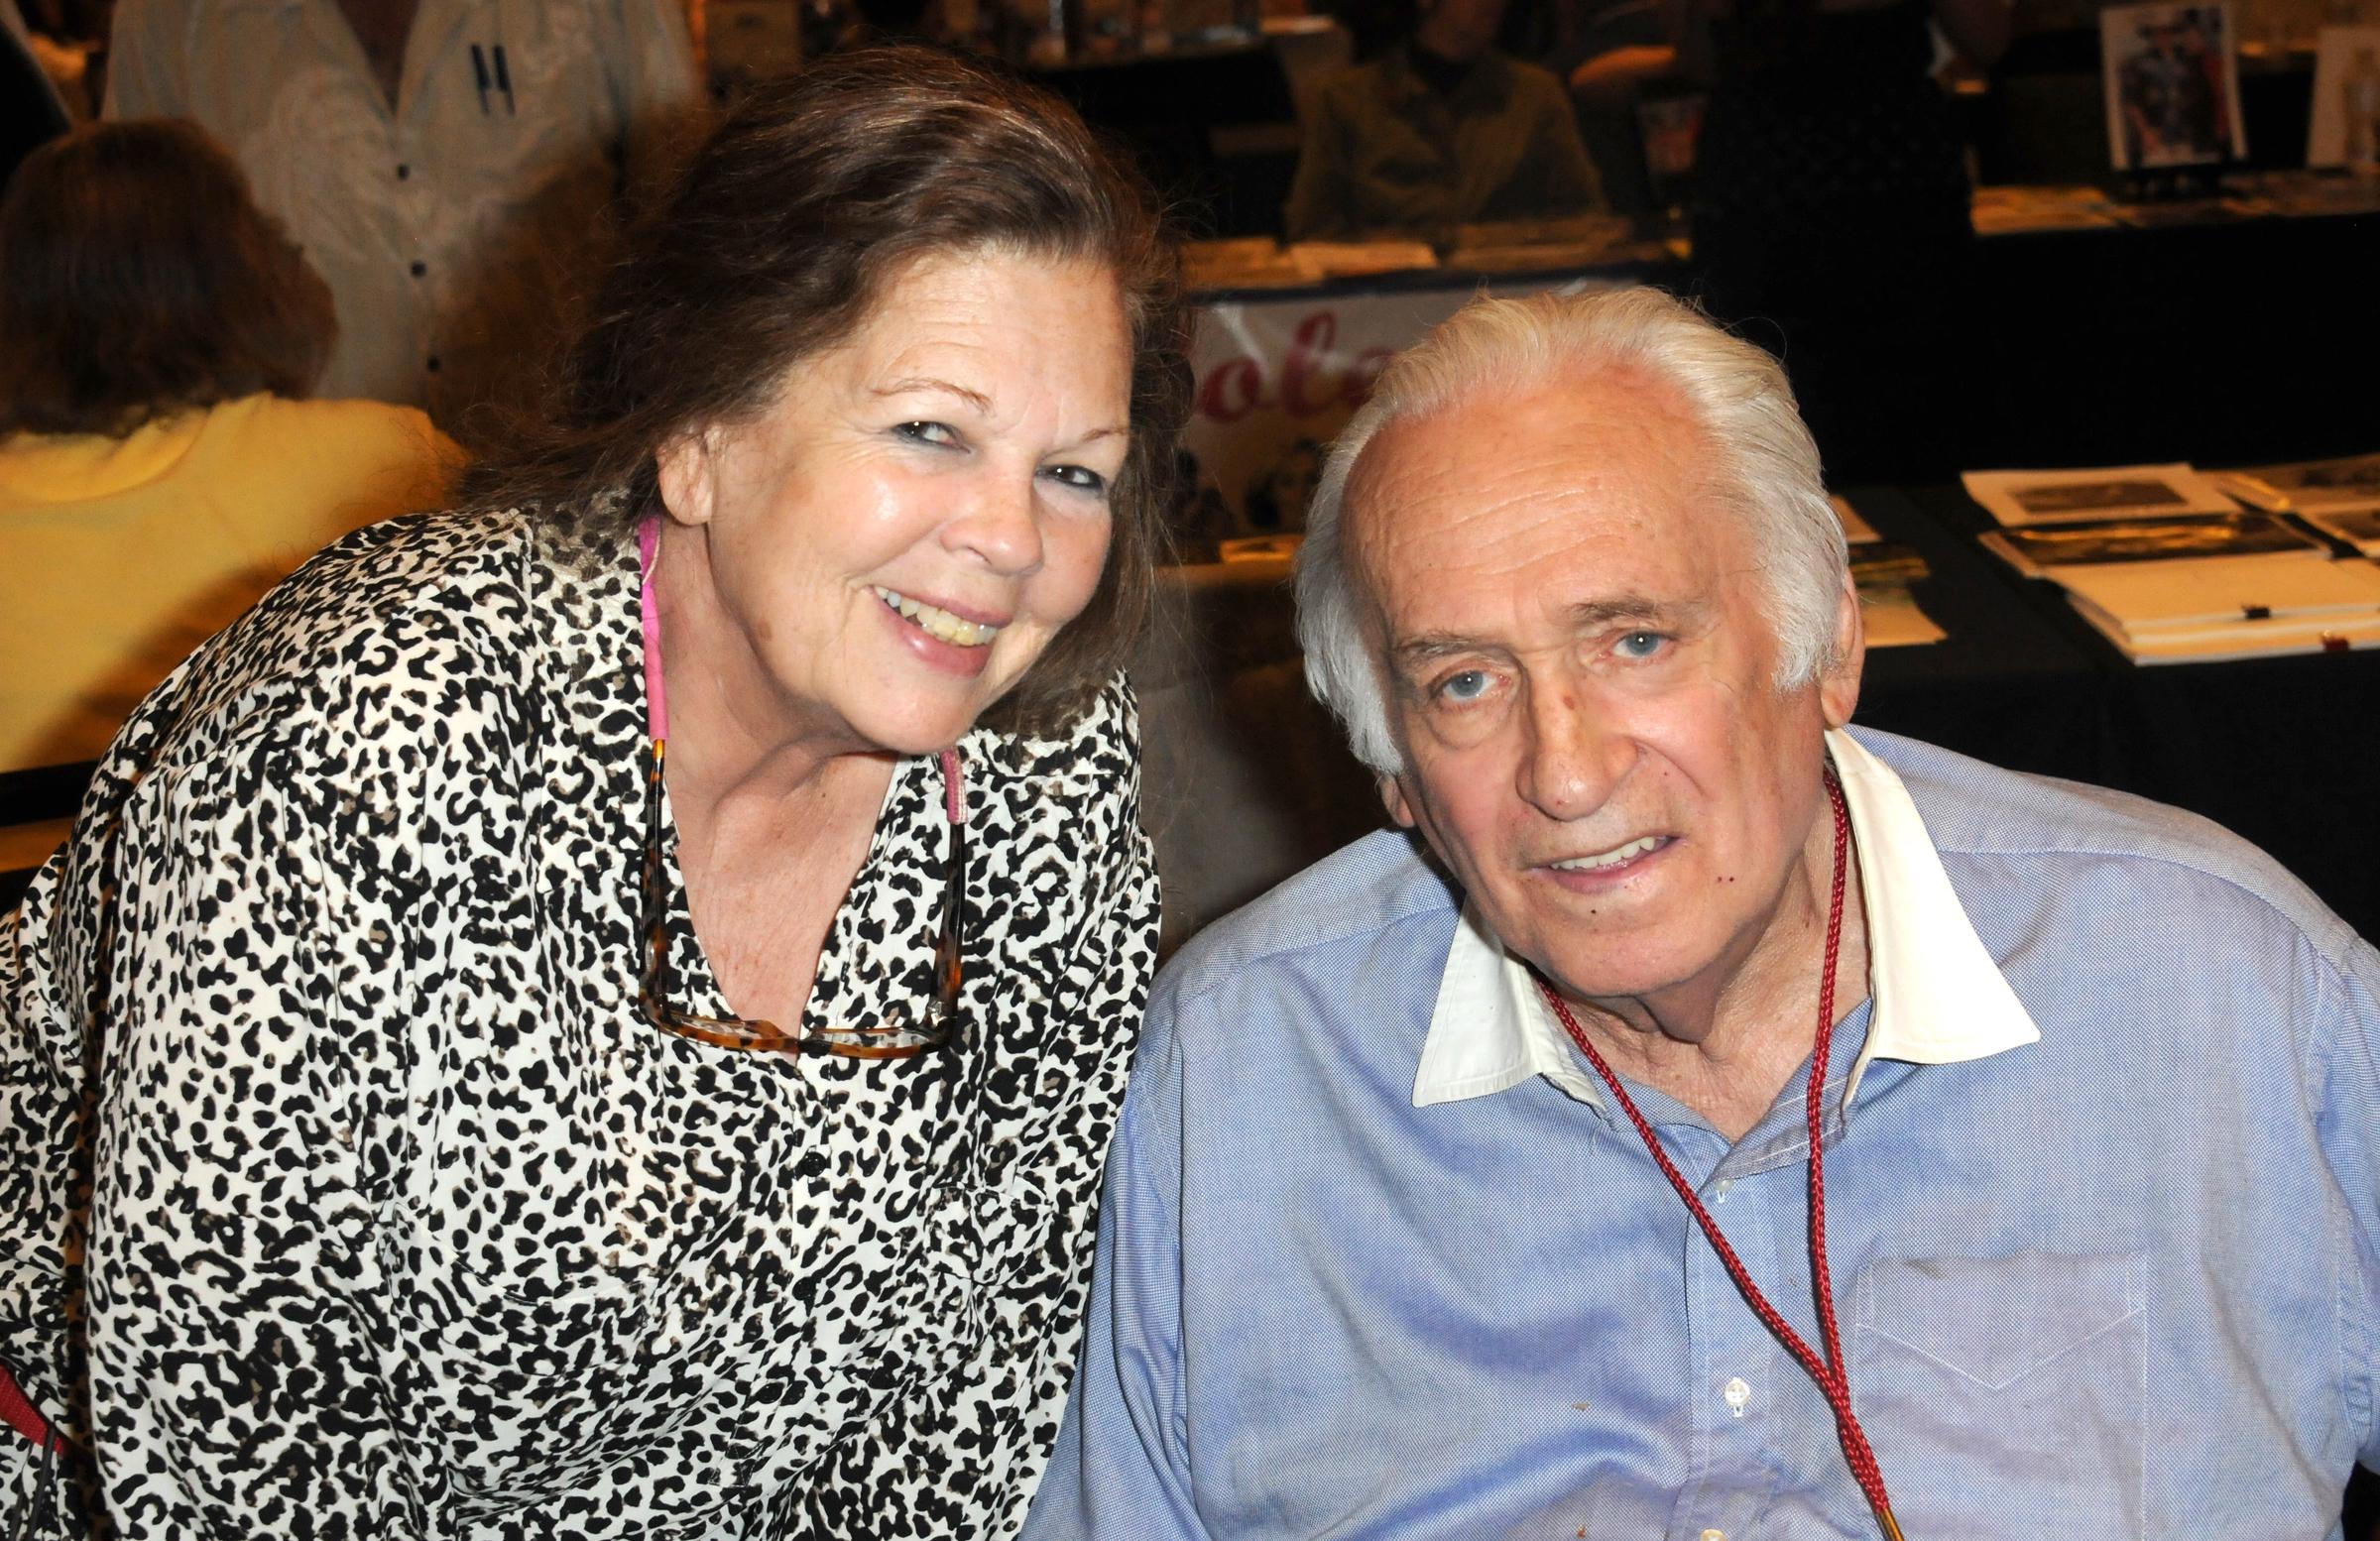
{"type": "Point", "coordinates": [1833, 1382]}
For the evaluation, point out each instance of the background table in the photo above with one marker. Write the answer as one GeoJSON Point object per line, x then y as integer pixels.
{"type": "Point", "coordinates": [1247, 780]}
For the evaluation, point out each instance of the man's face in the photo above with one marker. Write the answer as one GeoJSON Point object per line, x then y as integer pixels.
{"type": "Point", "coordinates": [1581, 680]}
{"type": "Point", "coordinates": [1461, 30]}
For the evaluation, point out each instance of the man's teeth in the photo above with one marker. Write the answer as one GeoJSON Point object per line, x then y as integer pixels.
{"type": "Point", "coordinates": [939, 622]}
{"type": "Point", "coordinates": [1617, 856]}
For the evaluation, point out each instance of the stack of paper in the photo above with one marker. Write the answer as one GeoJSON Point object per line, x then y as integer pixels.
{"type": "Point", "coordinates": [2340, 498]}
{"type": "Point", "coordinates": [1888, 613]}
{"type": "Point", "coordinates": [1249, 262]}
{"type": "Point", "coordinates": [2170, 570]}
{"type": "Point", "coordinates": [2116, 492]}
{"type": "Point", "coordinates": [1319, 259]}
{"type": "Point", "coordinates": [2003, 210]}
{"type": "Point", "coordinates": [2229, 607]}
{"type": "Point", "coordinates": [2047, 550]}
{"type": "Point", "coordinates": [1580, 241]}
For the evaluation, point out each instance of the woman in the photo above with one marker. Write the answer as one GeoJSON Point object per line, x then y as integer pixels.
{"type": "Point", "coordinates": [448, 1175]}
{"type": "Point", "coordinates": [157, 467]}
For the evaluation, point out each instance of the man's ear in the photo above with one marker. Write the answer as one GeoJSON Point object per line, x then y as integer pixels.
{"type": "Point", "coordinates": [1838, 686]}
{"type": "Point", "coordinates": [1394, 798]}
{"type": "Point", "coordinates": [689, 476]}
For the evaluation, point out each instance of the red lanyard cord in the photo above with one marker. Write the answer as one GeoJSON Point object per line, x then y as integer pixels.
{"type": "Point", "coordinates": [1827, 1372]}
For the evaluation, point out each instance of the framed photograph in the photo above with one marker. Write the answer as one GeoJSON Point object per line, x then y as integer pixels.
{"type": "Point", "coordinates": [2172, 86]}
{"type": "Point", "coordinates": [2345, 130]}
{"type": "Point", "coordinates": [2192, 539]}
{"type": "Point", "coordinates": [2019, 498]}
{"type": "Point", "coordinates": [2309, 486]}
{"type": "Point", "coordinates": [1669, 128]}
{"type": "Point", "coordinates": [2359, 528]}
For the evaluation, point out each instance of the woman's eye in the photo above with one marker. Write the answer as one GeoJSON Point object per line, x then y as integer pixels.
{"type": "Point", "coordinates": [1641, 645]}
{"type": "Point", "coordinates": [927, 432]}
{"type": "Point", "coordinates": [1080, 478]}
{"type": "Point", "coordinates": [1468, 685]}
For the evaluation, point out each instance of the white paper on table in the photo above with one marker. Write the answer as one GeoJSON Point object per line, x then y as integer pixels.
{"type": "Point", "coordinates": [2237, 639]}
{"type": "Point", "coordinates": [2096, 492]}
{"type": "Point", "coordinates": [1855, 530]}
{"type": "Point", "coordinates": [2359, 528]}
{"type": "Point", "coordinates": [1320, 260]}
{"type": "Point", "coordinates": [1896, 622]}
{"type": "Point", "coordinates": [2049, 550]}
{"type": "Point", "coordinates": [2224, 590]}
{"type": "Point", "coordinates": [2349, 483]}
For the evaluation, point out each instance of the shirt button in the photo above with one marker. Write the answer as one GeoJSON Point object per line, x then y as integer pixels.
{"type": "Point", "coordinates": [810, 1165]}
{"type": "Point", "coordinates": [420, 268]}
{"type": "Point", "coordinates": [432, 366]}
{"type": "Point", "coordinates": [1720, 1192]}
{"type": "Point", "coordinates": [1739, 1396]}
{"type": "Point", "coordinates": [1715, 1535]}
{"type": "Point", "coordinates": [404, 171]}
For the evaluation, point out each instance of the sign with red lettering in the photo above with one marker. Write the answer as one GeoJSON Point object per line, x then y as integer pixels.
{"type": "Point", "coordinates": [1276, 379]}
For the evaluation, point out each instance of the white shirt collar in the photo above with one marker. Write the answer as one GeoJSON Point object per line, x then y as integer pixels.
{"type": "Point", "coordinates": [1938, 995]}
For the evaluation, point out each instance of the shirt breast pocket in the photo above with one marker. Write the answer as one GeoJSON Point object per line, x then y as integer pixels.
{"type": "Point", "coordinates": [2007, 1395]}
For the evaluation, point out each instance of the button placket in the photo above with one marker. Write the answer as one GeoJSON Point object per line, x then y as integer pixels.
{"type": "Point", "coordinates": [1733, 1459]}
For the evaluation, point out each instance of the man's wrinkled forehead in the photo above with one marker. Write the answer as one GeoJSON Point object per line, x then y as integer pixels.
{"type": "Point", "coordinates": [1452, 453]}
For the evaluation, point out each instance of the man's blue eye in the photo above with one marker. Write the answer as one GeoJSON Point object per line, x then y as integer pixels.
{"type": "Point", "coordinates": [1641, 645]}
{"type": "Point", "coordinates": [1468, 685]}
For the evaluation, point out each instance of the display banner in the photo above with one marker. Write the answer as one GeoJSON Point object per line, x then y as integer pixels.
{"type": "Point", "coordinates": [1277, 378]}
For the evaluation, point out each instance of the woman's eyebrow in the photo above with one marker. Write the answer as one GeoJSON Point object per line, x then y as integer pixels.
{"type": "Point", "coordinates": [975, 399]}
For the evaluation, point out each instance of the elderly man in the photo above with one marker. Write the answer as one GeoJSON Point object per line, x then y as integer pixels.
{"type": "Point", "coordinates": [1414, 1223]}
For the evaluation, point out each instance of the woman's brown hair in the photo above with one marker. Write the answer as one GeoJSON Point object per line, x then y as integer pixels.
{"type": "Point", "coordinates": [770, 246]}
{"type": "Point", "coordinates": [139, 279]}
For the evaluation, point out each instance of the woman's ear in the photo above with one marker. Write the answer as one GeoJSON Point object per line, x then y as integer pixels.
{"type": "Point", "coordinates": [689, 476]}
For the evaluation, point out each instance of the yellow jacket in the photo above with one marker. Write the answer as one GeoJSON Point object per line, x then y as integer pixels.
{"type": "Point", "coordinates": [119, 555]}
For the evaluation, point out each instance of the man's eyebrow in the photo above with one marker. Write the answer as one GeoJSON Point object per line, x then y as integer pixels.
{"type": "Point", "coordinates": [975, 399]}
{"type": "Point", "coordinates": [1638, 606]}
{"type": "Point", "coordinates": [1428, 647]}
{"type": "Point", "coordinates": [1432, 646]}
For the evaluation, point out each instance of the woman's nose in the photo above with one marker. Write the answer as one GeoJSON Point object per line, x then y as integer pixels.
{"type": "Point", "coordinates": [1001, 523]}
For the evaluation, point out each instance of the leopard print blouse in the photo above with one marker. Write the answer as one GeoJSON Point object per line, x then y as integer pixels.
{"type": "Point", "coordinates": [402, 1223]}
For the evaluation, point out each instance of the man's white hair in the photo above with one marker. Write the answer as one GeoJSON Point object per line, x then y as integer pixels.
{"type": "Point", "coordinates": [1762, 465]}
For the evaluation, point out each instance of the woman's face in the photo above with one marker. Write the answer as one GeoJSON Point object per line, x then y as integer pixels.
{"type": "Point", "coordinates": [896, 538]}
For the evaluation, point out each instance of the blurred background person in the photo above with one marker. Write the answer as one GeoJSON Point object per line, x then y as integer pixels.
{"type": "Point", "coordinates": [159, 467]}
{"type": "Point", "coordinates": [448, 165]}
{"type": "Point", "coordinates": [1829, 210]}
{"type": "Point", "coordinates": [672, 932]}
{"type": "Point", "coordinates": [1441, 130]}
{"type": "Point", "coordinates": [32, 112]}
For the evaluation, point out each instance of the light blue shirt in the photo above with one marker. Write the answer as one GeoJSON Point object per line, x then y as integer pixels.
{"type": "Point", "coordinates": [1377, 1260]}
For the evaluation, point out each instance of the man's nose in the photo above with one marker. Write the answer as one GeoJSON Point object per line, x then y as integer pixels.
{"type": "Point", "coordinates": [1575, 758]}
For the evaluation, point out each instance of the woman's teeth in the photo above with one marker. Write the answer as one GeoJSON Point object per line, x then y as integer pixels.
{"type": "Point", "coordinates": [1616, 857]}
{"type": "Point", "coordinates": [939, 624]}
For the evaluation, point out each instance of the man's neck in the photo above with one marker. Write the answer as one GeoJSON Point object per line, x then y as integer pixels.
{"type": "Point", "coordinates": [1726, 1051]}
